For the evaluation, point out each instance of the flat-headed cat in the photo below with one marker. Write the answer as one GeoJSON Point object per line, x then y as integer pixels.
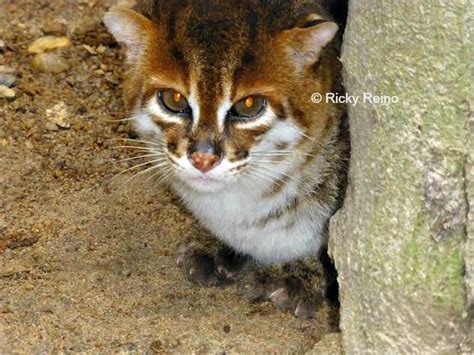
{"type": "Point", "coordinates": [221, 91]}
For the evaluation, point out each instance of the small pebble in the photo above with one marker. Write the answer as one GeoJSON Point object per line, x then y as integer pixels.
{"type": "Point", "coordinates": [2, 46]}
{"type": "Point", "coordinates": [54, 28]}
{"type": "Point", "coordinates": [101, 49]}
{"type": "Point", "coordinates": [58, 115]}
{"type": "Point", "coordinates": [226, 328]}
{"type": "Point", "coordinates": [89, 49]}
{"type": "Point", "coordinates": [156, 346]}
{"type": "Point", "coordinates": [112, 81]}
{"type": "Point", "coordinates": [87, 24]}
{"type": "Point", "coordinates": [126, 273]}
{"type": "Point", "coordinates": [46, 308]}
{"type": "Point", "coordinates": [131, 347]}
{"type": "Point", "coordinates": [7, 70]}
{"type": "Point", "coordinates": [51, 126]}
{"type": "Point", "coordinates": [49, 63]}
{"type": "Point", "coordinates": [96, 163]}
{"type": "Point", "coordinates": [22, 241]}
{"type": "Point", "coordinates": [5, 309]}
{"type": "Point", "coordinates": [7, 79]}
{"type": "Point", "coordinates": [8, 254]}
{"type": "Point", "coordinates": [46, 43]}
{"type": "Point", "coordinates": [6, 92]}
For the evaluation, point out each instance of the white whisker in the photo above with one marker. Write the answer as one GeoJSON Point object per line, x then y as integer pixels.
{"type": "Point", "coordinates": [277, 172]}
{"type": "Point", "coordinates": [166, 176]}
{"type": "Point", "coordinates": [273, 162]}
{"type": "Point", "coordinates": [123, 119]}
{"type": "Point", "coordinates": [301, 133]}
{"type": "Point", "coordinates": [270, 176]}
{"type": "Point", "coordinates": [145, 171]}
{"type": "Point", "coordinates": [284, 154]}
{"type": "Point", "coordinates": [137, 166]}
{"type": "Point", "coordinates": [139, 157]}
{"type": "Point", "coordinates": [159, 144]}
{"type": "Point", "coordinates": [259, 176]}
{"type": "Point", "coordinates": [134, 147]}
{"type": "Point", "coordinates": [164, 171]}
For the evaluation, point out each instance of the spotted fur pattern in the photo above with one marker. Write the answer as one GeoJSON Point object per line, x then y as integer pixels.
{"type": "Point", "coordinates": [282, 173]}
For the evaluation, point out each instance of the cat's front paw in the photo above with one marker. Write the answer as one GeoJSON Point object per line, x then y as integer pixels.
{"type": "Point", "coordinates": [203, 267]}
{"type": "Point", "coordinates": [197, 265]}
{"type": "Point", "coordinates": [285, 293]}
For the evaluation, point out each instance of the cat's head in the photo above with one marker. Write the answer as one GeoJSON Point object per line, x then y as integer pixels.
{"type": "Point", "coordinates": [222, 89]}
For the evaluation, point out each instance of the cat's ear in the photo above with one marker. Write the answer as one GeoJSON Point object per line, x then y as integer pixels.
{"type": "Point", "coordinates": [130, 28]}
{"type": "Point", "coordinates": [306, 42]}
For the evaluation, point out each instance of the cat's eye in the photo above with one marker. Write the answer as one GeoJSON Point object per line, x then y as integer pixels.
{"type": "Point", "coordinates": [248, 107]}
{"type": "Point", "coordinates": [173, 101]}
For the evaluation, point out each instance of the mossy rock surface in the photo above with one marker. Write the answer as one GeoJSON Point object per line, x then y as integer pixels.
{"type": "Point", "coordinates": [403, 242]}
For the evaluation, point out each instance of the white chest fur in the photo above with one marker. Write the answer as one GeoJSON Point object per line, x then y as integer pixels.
{"type": "Point", "coordinates": [271, 229]}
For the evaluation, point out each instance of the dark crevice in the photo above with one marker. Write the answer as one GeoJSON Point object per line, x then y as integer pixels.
{"type": "Point", "coordinates": [339, 11]}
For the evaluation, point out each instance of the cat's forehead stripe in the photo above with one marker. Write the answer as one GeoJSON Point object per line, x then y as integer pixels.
{"type": "Point", "coordinates": [171, 33]}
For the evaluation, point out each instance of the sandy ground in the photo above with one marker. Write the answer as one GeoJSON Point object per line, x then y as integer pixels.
{"type": "Point", "coordinates": [87, 262]}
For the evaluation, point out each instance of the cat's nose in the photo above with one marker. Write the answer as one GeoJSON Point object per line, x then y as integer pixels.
{"type": "Point", "coordinates": [204, 155]}
{"type": "Point", "coordinates": [204, 161]}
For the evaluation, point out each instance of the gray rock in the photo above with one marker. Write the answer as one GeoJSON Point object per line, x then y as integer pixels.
{"type": "Point", "coordinates": [51, 126]}
{"type": "Point", "coordinates": [7, 79]}
{"type": "Point", "coordinates": [49, 63]}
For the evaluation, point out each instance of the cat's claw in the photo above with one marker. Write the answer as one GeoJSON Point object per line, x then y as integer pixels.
{"type": "Point", "coordinates": [228, 274]}
{"type": "Point", "coordinates": [306, 308]}
{"type": "Point", "coordinates": [280, 297]}
{"type": "Point", "coordinates": [291, 297]}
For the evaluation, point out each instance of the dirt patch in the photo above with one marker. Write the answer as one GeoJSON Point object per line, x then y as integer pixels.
{"type": "Point", "coordinates": [86, 262]}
